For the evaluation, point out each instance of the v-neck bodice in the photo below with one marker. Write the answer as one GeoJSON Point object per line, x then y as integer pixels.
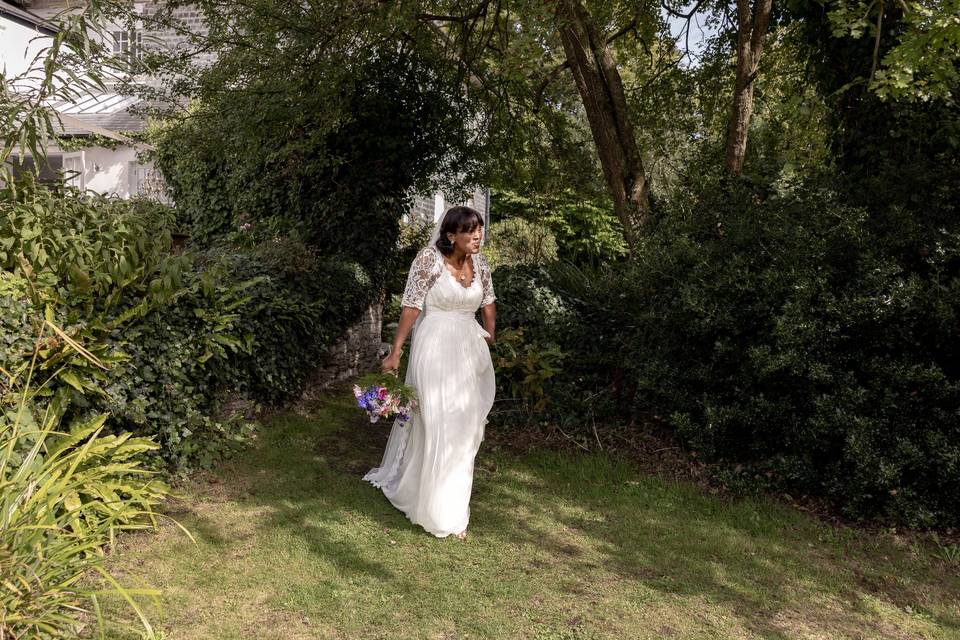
{"type": "Point", "coordinates": [429, 290]}
{"type": "Point", "coordinates": [473, 269]}
{"type": "Point", "coordinates": [447, 294]}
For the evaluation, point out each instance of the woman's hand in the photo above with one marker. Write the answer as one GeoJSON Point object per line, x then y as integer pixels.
{"type": "Point", "coordinates": [391, 362]}
{"type": "Point", "coordinates": [408, 316]}
{"type": "Point", "coordinates": [490, 339]}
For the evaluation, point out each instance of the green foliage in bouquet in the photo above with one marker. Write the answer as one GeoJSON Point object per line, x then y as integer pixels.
{"type": "Point", "coordinates": [391, 383]}
{"type": "Point", "coordinates": [384, 396]}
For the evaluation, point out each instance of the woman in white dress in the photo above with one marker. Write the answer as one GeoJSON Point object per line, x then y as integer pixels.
{"type": "Point", "coordinates": [427, 467]}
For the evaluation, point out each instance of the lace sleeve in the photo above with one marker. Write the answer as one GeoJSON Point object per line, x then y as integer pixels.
{"type": "Point", "coordinates": [423, 273]}
{"type": "Point", "coordinates": [486, 279]}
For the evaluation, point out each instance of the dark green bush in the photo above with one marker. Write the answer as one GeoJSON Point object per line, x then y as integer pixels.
{"type": "Point", "coordinates": [527, 297]}
{"type": "Point", "coordinates": [251, 323]}
{"type": "Point", "coordinates": [174, 336]}
{"type": "Point", "coordinates": [297, 303]}
{"type": "Point", "coordinates": [339, 181]}
{"type": "Point", "coordinates": [772, 328]}
{"type": "Point", "coordinates": [110, 281]}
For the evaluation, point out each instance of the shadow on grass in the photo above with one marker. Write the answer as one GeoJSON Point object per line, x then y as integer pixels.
{"type": "Point", "coordinates": [778, 572]}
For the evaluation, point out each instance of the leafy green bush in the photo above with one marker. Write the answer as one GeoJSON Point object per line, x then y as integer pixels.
{"type": "Point", "coordinates": [102, 268]}
{"type": "Point", "coordinates": [249, 323]}
{"type": "Point", "coordinates": [64, 494]}
{"type": "Point", "coordinates": [516, 241]}
{"type": "Point", "coordinates": [528, 297]}
{"type": "Point", "coordinates": [542, 323]}
{"type": "Point", "coordinates": [772, 328]}
{"type": "Point", "coordinates": [583, 230]}
{"type": "Point", "coordinates": [791, 339]}
{"type": "Point", "coordinates": [94, 253]}
{"type": "Point", "coordinates": [297, 303]}
{"type": "Point", "coordinates": [525, 368]}
{"type": "Point", "coordinates": [174, 336]}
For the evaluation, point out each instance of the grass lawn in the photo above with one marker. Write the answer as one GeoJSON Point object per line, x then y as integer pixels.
{"type": "Point", "coordinates": [291, 543]}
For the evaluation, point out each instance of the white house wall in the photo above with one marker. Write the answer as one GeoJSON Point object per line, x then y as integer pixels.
{"type": "Point", "coordinates": [431, 207]}
{"type": "Point", "coordinates": [109, 171]}
{"type": "Point", "coordinates": [105, 170]}
{"type": "Point", "coordinates": [19, 45]}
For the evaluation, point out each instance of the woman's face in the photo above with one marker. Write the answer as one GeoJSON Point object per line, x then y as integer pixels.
{"type": "Point", "coordinates": [467, 241]}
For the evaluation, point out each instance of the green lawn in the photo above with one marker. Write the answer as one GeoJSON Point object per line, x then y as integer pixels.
{"type": "Point", "coordinates": [293, 544]}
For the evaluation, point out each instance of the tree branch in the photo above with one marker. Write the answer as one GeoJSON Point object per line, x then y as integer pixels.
{"type": "Point", "coordinates": [432, 17]}
{"type": "Point", "coordinates": [760, 22]}
{"type": "Point", "coordinates": [685, 16]}
{"type": "Point", "coordinates": [557, 70]}
{"type": "Point", "coordinates": [480, 11]}
{"type": "Point", "coordinates": [876, 43]}
{"type": "Point", "coordinates": [474, 77]}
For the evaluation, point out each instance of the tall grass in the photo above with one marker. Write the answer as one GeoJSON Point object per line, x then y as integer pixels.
{"type": "Point", "coordinates": [65, 492]}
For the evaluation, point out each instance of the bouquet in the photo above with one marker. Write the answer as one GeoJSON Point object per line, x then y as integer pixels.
{"type": "Point", "coordinates": [384, 396]}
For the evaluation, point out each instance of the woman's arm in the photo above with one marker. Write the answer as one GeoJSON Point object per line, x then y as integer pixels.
{"type": "Point", "coordinates": [489, 314]}
{"type": "Point", "coordinates": [408, 315]}
{"type": "Point", "coordinates": [487, 309]}
{"type": "Point", "coordinates": [423, 273]}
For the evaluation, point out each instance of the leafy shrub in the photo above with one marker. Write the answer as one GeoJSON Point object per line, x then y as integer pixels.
{"type": "Point", "coordinates": [296, 304]}
{"type": "Point", "coordinates": [516, 241]}
{"type": "Point", "coordinates": [792, 340]}
{"type": "Point", "coordinates": [585, 231]}
{"type": "Point", "coordinates": [102, 268]}
{"type": "Point", "coordinates": [771, 327]}
{"type": "Point", "coordinates": [85, 250]}
{"type": "Point", "coordinates": [249, 323]}
{"type": "Point", "coordinates": [174, 336]}
{"type": "Point", "coordinates": [545, 305]}
{"type": "Point", "coordinates": [528, 297]}
{"type": "Point", "coordinates": [64, 494]}
{"type": "Point", "coordinates": [525, 369]}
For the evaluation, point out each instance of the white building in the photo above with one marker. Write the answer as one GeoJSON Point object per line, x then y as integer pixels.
{"type": "Point", "coordinates": [22, 37]}
{"type": "Point", "coordinates": [114, 169]}
{"type": "Point", "coordinates": [431, 209]}
{"type": "Point", "coordinates": [96, 154]}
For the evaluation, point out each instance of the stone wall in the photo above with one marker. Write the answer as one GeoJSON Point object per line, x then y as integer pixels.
{"type": "Point", "coordinates": [356, 353]}
{"type": "Point", "coordinates": [186, 19]}
{"type": "Point", "coordinates": [425, 207]}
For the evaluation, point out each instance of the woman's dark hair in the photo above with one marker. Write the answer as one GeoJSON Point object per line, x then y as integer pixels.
{"type": "Point", "coordinates": [457, 220]}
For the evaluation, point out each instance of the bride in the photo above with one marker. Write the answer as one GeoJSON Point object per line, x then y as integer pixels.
{"type": "Point", "coordinates": [427, 467]}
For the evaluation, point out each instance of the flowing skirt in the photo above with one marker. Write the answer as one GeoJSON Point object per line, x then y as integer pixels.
{"type": "Point", "coordinates": [427, 467]}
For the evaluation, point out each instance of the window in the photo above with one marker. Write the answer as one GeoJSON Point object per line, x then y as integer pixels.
{"type": "Point", "coordinates": [128, 43]}
{"type": "Point", "coordinates": [138, 177]}
{"type": "Point", "coordinates": [49, 170]}
{"type": "Point", "coordinates": [72, 172]}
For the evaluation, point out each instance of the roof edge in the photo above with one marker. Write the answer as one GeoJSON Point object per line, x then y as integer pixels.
{"type": "Point", "coordinates": [27, 18]}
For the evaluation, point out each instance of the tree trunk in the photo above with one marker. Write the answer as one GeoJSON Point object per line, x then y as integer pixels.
{"type": "Point", "coordinates": [598, 82]}
{"type": "Point", "coordinates": [751, 30]}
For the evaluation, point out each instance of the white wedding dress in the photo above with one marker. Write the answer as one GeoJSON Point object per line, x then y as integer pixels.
{"type": "Point", "coordinates": [427, 467]}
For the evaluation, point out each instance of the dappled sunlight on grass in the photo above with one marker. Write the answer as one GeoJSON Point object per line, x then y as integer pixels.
{"type": "Point", "coordinates": [293, 542]}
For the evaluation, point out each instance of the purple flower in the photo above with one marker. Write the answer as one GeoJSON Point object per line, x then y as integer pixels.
{"type": "Point", "coordinates": [378, 402]}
